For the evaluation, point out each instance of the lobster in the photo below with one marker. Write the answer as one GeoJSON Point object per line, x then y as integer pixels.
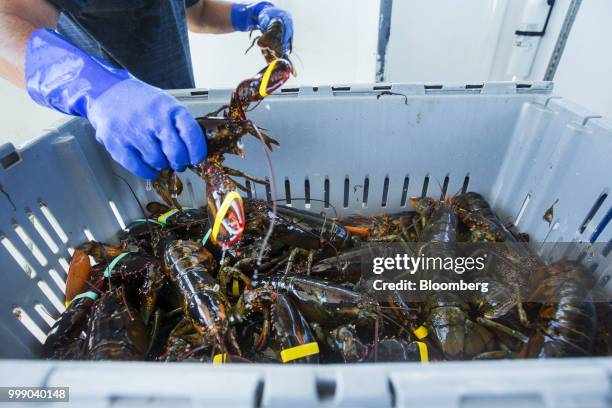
{"type": "Point", "coordinates": [189, 266]}
{"type": "Point", "coordinates": [116, 330]}
{"type": "Point", "coordinates": [567, 319]}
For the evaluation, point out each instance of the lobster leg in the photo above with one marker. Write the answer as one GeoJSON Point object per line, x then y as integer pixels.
{"type": "Point", "coordinates": [502, 328]}
{"type": "Point", "coordinates": [238, 173]}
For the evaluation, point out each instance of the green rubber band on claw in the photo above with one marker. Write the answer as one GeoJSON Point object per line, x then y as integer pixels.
{"type": "Point", "coordinates": [114, 262]}
{"type": "Point", "coordinates": [206, 236]}
{"type": "Point", "coordinates": [164, 217]}
{"type": "Point", "coordinates": [89, 294]}
{"type": "Point", "coordinates": [148, 220]}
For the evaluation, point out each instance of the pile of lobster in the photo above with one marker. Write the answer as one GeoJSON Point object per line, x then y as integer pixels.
{"type": "Point", "coordinates": [244, 280]}
{"type": "Point", "coordinates": [168, 293]}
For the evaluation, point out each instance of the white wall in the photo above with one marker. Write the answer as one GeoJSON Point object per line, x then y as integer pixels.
{"type": "Point", "coordinates": [448, 41]}
{"type": "Point", "coordinates": [444, 40]}
{"type": "Point", "coordinates": [20, 118]}
{"type": "Point", "coordinates": [585, 71]}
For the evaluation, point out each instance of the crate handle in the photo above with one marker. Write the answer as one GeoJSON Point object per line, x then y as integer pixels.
{"type": "Point", "coordinates": [9, 156]}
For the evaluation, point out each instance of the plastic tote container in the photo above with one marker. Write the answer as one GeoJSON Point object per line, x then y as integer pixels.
{"type": "Point", "coordinates": [345, 149]}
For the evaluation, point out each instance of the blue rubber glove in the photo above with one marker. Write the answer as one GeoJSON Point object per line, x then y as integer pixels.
{"type": "Point", "coordinates": [247, 17]}
{"type": "Point", "coordinates": [142, 127]}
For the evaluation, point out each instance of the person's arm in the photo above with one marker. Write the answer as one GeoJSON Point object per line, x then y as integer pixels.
{"type": "Point", "coordinates": [216, 16]}
{"type": "Point", "coordinates": [18, 19]}
{"type": "Point", "coordinates": [210, 16]}
{"type": "Point", "coordinates": [143, 128]}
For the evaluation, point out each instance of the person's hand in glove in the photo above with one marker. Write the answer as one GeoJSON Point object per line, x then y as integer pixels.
{"type": "Point", "coordinates": [247, 17]}
{"type": "Point", "coordinates": [142, 127]}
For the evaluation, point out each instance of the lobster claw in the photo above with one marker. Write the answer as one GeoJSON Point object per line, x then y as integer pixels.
{"type": "Point", "coordinates": [226, 214]}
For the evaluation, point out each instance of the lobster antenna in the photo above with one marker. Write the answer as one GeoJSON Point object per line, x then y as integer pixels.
{"type": "Point", "coordinates": [133, 194]}
{"type": "Point", "coordinates": [272, 185]}
{"type": "Point", "coordinates": [312, 199]}
{"type": "Point", "coordinates": [253, 42]}
{"type": "Point", "coordinates": [292, 64]}
{"type": "Point", "coordinates": [254, 107]}
{"type": "Point", "coordinates": [439, 185]}
{"type": "Point", "coordinates": [142, 210]}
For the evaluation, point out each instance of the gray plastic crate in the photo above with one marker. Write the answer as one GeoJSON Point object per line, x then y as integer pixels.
{"type": "Point", "coordinates": [349, 150]}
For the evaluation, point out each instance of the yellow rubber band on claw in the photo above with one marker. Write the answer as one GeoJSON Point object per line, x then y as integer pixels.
{"type": "Point", "coordinates": [420, 332]}
{"type": "Point", "coordinates": [89, 294]}
{"type": "Point", "coordinates": [235, 288]}
{"type": "Point", "coordinates": [423, 352]}
{"type": "Point", "coordinates": [225, 206]}
{"type": "Point", "coordinates": [266, 78]}
{"type": "Point", "coordinates": [301, 351]}
{"type": "Point", "coordinates": [164, 217]}
{"type": "Point", "coordinates": [220, 358]}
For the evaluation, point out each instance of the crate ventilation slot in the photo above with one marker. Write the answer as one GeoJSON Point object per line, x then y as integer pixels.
{"type": "Point", "coordinates": [502, 401]}
{"type": "Point", "coordinates": [44, 314]}
{"type": "Point", "coordinates": [29, 324]}
{"type": "Point", "coordinates": [268, 191]}
{"type": "Point", "coordinates": [27, 241]}
{"type": "Point", "coordinates": [307, 192]}
{"type": "Point", "coordinates": [521, 212]}
{"type": "Point", "coordinates": [425, 187]}
{"type": "Point", "coordinates": [88, 234]}
{"type": "Point", "coordinates": [592, 212]}
{"type": "Point", "coordinates": [392, 393]}
{"type": "Point", "coordinates": [341, 88]}
{"type": "Point", "coordinates": [48, 292]}
{"type": "Point", "coordinates": [366, 189]}
{"type": "Point", "coordinates": [258, 397]}
{"type": "Point", "coordinates": [347, 186]}
{"type": "Point", "coordinates": [287, 191]}
{"type": "Point", "coordinates": [10, 160]}
{"type": "Point", "coordinates": [444, 187]}
{"type": "Point", "coordinates": [404, 199]}
{"type": "Point", "coordinates": [385, 192]}
{"type": "Point", "coordinates": [326, 192]}
{"type": "Point", "coordinates": [53, 221]}
{"type": "Point", "coordinates": [64, 264]}
{"type": "Point", "coordinates": [606, 251]}
{"type": "Point", "coordinates": [249, 193]}
{"type": "Point", "coordinates": [466, 184]}
{"type": "Point", "coordinates": [43, 233]}
{"type": "Point", "coordinates": [117, 214]}
{"type": "Point", "coordinates": [601, 227]}
{"type": "Point", "coordinates": [18, 257]}
{"type": "Point", "coordinates": [57, 279]}
{"type": "Point", "coordinates": [326, 390]}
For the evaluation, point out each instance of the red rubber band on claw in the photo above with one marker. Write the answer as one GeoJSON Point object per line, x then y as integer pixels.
{"type": "Point", "coordinates": [223, 210]}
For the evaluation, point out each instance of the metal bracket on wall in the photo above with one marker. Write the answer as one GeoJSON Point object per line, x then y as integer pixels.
{"type": "Point", "coordinates": [384, 32]}
{"type": "Point", "coordinates": [557, 53]}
